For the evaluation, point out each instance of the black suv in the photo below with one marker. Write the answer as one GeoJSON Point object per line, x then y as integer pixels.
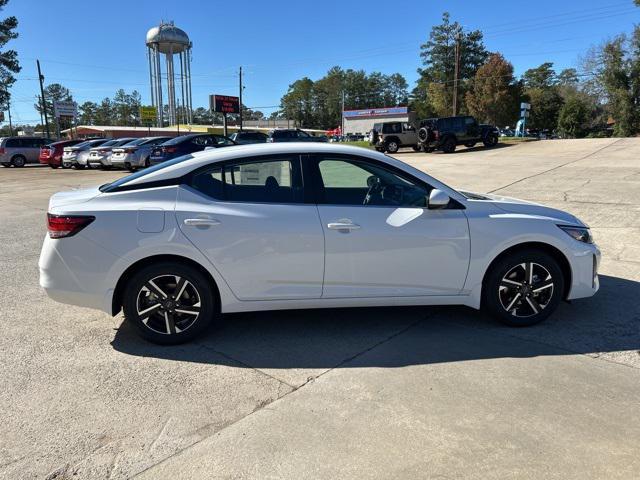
{"type": "Point", "coordinates": [448, 132]}
{"type": "Point", "coordinates": [293, 135]}
{"type": "Point", "coordinates": [244, 138]}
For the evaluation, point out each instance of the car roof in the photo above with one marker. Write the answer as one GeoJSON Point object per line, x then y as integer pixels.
{"type": "Point", "coordinates": [238, 152]}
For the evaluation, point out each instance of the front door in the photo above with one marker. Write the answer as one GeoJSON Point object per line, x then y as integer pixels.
{"type": "Point", "coordinates": [248, 218]}
{"type": "Point", "coordinates": [380, 239]}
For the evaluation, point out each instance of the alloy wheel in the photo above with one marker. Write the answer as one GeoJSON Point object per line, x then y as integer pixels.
{"type": "Point", "coordinates": [168, 304]}
{"type": "Point", "coordinates": [526, 289]}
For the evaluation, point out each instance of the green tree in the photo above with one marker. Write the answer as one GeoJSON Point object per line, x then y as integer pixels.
{"type": "Point", "coordinates": [297, 104]}
{"type": "Point", "coordinates": [573, 119]}
{"type": "Point", "coordinates": [104, 113]}
{"type": "Point", "coordinates": [494, 93]}
{"type": "Point", "coordinates": [9, 64]}
{"type": "Point", "coordinates": [434, 89]}
{"type": "Point", "coordinates": [87, 113]}
{"type": "Point", "coordinates": [53, 92]}
{"type": "Point", "coordinates": [543, 76]}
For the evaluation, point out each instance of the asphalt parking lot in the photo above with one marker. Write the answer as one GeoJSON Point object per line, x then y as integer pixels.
{"type": "Point", "coordinates": [366, 393]}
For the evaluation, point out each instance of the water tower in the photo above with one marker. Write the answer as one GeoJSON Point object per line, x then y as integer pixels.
{"type": "Point", "coordinates": [169, 40]}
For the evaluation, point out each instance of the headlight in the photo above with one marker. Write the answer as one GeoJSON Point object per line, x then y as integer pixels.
{"type": "Point", "coordinates": [581, 234]}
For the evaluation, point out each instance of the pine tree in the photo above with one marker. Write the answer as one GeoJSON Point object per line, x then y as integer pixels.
{"type": "Point", "coordinates": [8, 58]}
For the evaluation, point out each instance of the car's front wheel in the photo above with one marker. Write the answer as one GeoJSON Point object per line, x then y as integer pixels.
{"type": "Point", "coordinates": [523, 288]}
{"type": "Point", "coordinates": [169, 303]}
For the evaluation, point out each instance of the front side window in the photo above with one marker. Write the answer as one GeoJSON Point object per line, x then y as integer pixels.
{"type": "Point", "coordinates": [268, 180]}
{"type": "Point", "coordinates": [360, 182]}
{"type": "Point", "coordinates": [302, 134]}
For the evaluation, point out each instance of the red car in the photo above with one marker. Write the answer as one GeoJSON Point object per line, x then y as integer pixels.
{"type": "Point", "coordinates": [51, 154]}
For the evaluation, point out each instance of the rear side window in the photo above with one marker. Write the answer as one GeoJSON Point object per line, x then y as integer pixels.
{"type": "Point", "coordinates": [268, 180]}
{"type": "Point", "coordinates": [12, 143]}
{"type": "Point", "coordinates": [391, 128]}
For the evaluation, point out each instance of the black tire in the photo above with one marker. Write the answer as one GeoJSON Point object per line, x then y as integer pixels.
{"type": "Point", "coordinates": [161, 329]}
{"type": "Point", "coordinates": [416, 148]}
{"type": "Point", "coordinates": [506, 285]}
{"type": "Point", "coordinates": [65, 166]}
{"type": "Point", "coordinates": [428, 149]}
{"type": "Point", "coordinates": [53, 166]}
{"type": "Point", "coordinates": [470, 144]}
{"type": "Point", "coordinates": [18, 161]}
{"type": "Point", "coordinates": [147, 162]}
{"type": "Point", "coordinates": [6, 164]}
{"type": "Point", "coordinates": [105, 167]}
{"type": "Point", "coordinates": [449, 145]}
{"type": "Point", "coordinates": [392, 146]}
{"type": "Point", "coordinates": [490, 141]}
{"type": "Point", "coordinates": [77, 166]}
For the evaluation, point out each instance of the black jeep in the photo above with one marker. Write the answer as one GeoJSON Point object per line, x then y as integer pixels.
{"type": "Point", "coordinates": [448, 132]}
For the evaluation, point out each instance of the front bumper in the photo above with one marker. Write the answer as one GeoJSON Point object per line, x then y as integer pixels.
{"type": "Point", "coordinates": [585, 262]}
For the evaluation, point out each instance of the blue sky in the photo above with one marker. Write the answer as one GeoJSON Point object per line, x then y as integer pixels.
{"type": "Point", "coordinates": [94, 48]}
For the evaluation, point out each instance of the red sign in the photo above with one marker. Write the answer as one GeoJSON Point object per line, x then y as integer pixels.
{"type": "Point", "coordinates": [224, 104]}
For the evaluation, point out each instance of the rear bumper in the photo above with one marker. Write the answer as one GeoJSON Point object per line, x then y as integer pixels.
{"type": "Point", "coordinates": [127, 159]}
{"type": "Point", "coordinates": [75, 278]}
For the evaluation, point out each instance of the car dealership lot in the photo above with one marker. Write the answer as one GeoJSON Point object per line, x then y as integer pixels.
{"type": "Point", "coordinates": [437, 392]}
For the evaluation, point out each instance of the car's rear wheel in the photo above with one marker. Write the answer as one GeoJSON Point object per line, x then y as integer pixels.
{"type": "Point", "coordinates": [523, 288]}
{"type": "Point", "coordinates": [449, 145]}
{"type": "Point", "coordinates": [18, 161]}
{"type": "Point", "coordinates": [65, 165]}
{"type": "Point", "coordinates": [77, 166]}
{"type": "Point", "coordinates": [490, 141]}
{"type": "Point", "coordinates": [169, 303]}
{"type": "Point", "coordinates": [391, 146]}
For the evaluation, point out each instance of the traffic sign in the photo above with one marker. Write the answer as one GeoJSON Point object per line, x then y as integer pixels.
{"type": "Point", "coordinates": [525, 106]}
{"type": "Point", "coordinates": [148, 113]}
{"type": "Point", "coordinates": [65, 109]}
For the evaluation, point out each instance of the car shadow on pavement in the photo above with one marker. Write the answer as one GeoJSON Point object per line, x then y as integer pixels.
{"type": "Point", "coordinates": [401, 336]}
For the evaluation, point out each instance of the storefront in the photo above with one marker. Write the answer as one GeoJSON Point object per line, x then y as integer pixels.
{"type": "Point", "coordinates": [361, 121]}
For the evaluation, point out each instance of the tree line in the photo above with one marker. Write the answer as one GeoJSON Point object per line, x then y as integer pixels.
{"type": "Point", "coordinates": [606, 90]}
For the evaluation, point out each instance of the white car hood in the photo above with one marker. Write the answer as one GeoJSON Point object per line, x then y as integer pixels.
{"type": "Point", "coordinates": [523, 207]}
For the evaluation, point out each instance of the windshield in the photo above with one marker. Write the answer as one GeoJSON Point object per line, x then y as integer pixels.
{"type": "Point", "coordinates": [109, 187]}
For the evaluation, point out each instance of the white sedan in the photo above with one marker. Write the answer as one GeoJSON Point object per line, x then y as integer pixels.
{"type": "Point", "coordinates": [292, 225]}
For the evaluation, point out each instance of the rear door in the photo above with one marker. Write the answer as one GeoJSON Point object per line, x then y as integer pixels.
{"type": "Point", "coordinates": [249, 219]}
{"type": "Point", "coordinates": [380, 239]}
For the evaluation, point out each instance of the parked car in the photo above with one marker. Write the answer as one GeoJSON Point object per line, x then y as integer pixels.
{"type": "Point", "coordinates": [237, 229]}
{"type": "Point", "coordinates": [51, 154]}
{"type": "Point", "coordinates": [18, 151]}
{"type": "Point", "coordinates": [293, 135]}
{"type": "Point", "coordinates": [76, 156]}
{"type": "Point", "coordinates": [136, 153]}
{"type": "Point", "coordinates": [184, 144]}
{"type": "Point", "coordinates": [448, 132]}
{"type": "Point", "coordinates": [391, 136]}
{"type": "Point", "coordinates": [244, 137]}
{"type": "Point", "coordinates": [507, 132]}
{"type": "Point", "coordinates": [100, 156]}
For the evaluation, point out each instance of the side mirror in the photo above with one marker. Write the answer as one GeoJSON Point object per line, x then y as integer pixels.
{"type": "Point", "coordinates": [437, 199]}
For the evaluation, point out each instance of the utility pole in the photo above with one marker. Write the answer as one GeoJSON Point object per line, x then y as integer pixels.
{"type": "Point", "coordinates": [43, 105]}
{"type": "Point", "coordinates": [9, 113]}
{"type": "Point", "coordinates": [455, 76]}
{"type": "Point", "coordinates": [240, 76]}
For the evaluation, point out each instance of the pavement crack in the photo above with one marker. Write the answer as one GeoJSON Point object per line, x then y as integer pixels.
{"type": "Point", "coordinates": [556, 167]}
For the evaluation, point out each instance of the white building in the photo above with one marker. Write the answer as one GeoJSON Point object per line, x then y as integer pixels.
{"type": "Point", "coordinates": [362, 121]}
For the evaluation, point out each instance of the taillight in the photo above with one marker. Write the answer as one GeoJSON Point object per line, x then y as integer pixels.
{"type": "Point", "coordinates": [129, 150]}
{"type": "Point", "coordinates": [1, 151]}
{"type": "Point", "coordinates": [436, 133]}
{"type": "Point", "coordinates": [169, 149]}
{"type": "Point", "coordinates": [61, 226]}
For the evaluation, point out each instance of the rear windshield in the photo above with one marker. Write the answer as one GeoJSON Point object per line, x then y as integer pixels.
{"type": "Point", "coordinates": [109, 187]}
{"type": "Point", "coordinates": [137, 141]}
{"type": "Point", "coordinates": [109, 143]}
{"type": "Point", "coordinates": [177, 140]}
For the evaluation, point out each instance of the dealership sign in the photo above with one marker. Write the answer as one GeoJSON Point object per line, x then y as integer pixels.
{"type": "Point", "coordinates": [224, 104]}
{"type": "Point", "coordinates": [148, 113]}
{"type": "Point", "coordinates": [65, 109]}
{"type": "Point", "coordinates": [376, 112]}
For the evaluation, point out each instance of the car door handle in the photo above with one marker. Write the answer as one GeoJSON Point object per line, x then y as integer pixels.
{"type": "Point", "coordinates": [343, 226]}
{"type": "Point", "coordinates": [201, 222]}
